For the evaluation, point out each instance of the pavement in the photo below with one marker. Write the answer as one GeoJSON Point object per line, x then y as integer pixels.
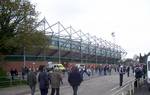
{"type": "Point", "coordinates": [15, 90]}
{"type": "Point", "coordinates": [142, 90]}
{"type": "Point", "coordinates": [95, 85]}
{"type": "Point", "coordinates": [24, 89]}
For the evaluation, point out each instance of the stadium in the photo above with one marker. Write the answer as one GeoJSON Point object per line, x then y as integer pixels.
{"type": "Point", "coordinates": [66, 46]}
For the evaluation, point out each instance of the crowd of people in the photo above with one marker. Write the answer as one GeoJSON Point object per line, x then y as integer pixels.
{"type": "Point", "coordinates": [75, 77]}
{"type": "Point", "coordinates": [139, 71]}
{"type": "Point", "coordinates": [54, 78]}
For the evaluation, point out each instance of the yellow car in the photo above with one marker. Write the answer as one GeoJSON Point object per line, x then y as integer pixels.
{"type": "Point", "coordinates": [59, 66]}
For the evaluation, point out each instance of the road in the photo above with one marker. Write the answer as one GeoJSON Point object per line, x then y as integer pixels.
{"type": "Point", "coordinates": [96, 85]}
{"type": "Point", "coordinates": [103, 85]}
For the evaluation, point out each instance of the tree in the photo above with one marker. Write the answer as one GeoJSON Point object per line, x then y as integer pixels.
{"type": "Point", "coordinates": [129, 61]}
{"type": "Point", "coordinates": [143, 59]}
{"type": "Point", "coordinates": [18, 27]}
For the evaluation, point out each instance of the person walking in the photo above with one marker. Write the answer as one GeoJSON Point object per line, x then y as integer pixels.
{"type": "Point", "coordinates": [56, 80]}
{"type": "Point", "coordinates": [31, 81]}
{"type": "Point", "coordinates": [43, 80]}
{"type": "Point", "coordinates": [121, 73]}
{"type": "Point", "coordinates": [105, 70]}
{"type": "Point", "coordinates": [128, 71]}
{"type": "Point", "coordinates": [138, 75]}
{"type": "Point", "coordinates": [144, 70]}
{"type": "Point", "coordinates": [12, 73]}
{"type": "Point", "coordinates": [75, 79]}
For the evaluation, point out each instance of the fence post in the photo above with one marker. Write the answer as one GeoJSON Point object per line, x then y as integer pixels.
{"type": "Point", "coordinates": [133, 87]}
{"type": "Point", "coordinates": [130, 89]}
{"type": "Point", "coordinates": [10, 81]}
{"type": "Point", "coordinates": [19, 76]}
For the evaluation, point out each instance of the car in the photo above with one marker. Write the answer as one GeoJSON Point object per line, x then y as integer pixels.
{"type": "Point", "coordinates": [80, 66]}
{"type": "Point", "coordinates": [52, 66]}
{"type": "Point", "coordinates": [59, 66]}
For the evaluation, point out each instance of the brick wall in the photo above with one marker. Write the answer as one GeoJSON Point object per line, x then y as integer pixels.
{"type": "Point", "coordinates": [19, 64]}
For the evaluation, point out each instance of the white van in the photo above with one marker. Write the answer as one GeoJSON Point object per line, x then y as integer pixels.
{"type": "Point", "coordinates": [80, 66]}
{"type": "Point", "coordinates": [148, 72]}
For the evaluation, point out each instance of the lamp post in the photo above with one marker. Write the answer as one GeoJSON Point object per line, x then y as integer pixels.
{"type": "Point", "coordinates": [24, 57]}
{"type": "Point", "coordinates": [113, 36]}
{"type": "Point", "coordinates": [114, 41]}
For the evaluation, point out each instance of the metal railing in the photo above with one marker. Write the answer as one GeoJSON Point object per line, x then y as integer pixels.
{"type": "Point", "coordinates": [7, 81]}
{"type": "Point", "coordinates": [126, 89]}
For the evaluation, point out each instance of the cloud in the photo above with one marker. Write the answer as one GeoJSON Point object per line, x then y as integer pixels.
{"type": "Point", "coordinates": [129, 19]}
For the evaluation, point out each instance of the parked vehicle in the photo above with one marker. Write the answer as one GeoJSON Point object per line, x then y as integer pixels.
{"type": "Point", "coordinates": [148, 72]}
{"type": "Point", "coordinates": [55, 65]}
{"type": "Point", "coordinates": [80, 66]}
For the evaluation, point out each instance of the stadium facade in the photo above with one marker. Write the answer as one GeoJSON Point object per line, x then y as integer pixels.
{"type": "Point", "coordinates": [68, 45]}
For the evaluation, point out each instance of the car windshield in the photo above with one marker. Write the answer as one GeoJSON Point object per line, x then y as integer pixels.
{"type": "Point", "coordinates": [82, 65]}
{"type": "Point", "coordinates": [60, 66]}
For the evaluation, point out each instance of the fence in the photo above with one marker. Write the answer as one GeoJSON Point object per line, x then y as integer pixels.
{"type": "Point", "coordinates": [127, 89]}
{"type": "Point", "coordinates": [7, 81]}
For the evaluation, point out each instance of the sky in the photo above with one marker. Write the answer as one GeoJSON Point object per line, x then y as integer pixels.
{"type": "Point", "coordinates": [128, 19]}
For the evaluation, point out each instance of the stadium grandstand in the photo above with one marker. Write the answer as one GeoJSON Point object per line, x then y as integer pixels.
{"type": "Point", "coordinates": [68, 45]}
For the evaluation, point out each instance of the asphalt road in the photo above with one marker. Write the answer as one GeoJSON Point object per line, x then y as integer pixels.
{"type": "Point", "coordinates": [103, 85]}
{"type": "Point", "coordinates": [95, 85]}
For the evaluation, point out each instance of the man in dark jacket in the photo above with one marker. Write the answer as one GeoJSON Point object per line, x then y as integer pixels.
{"type": "Point", "coordinates": [43, 81]}
{"type": "Point", "coordinates": [121, 73]}
{"type": "Point", "coordinates": [138, 75]}
{"type": "Point", "coordinates": [74, 79]}
{"type": "Point", "coordinates": [31, 80]}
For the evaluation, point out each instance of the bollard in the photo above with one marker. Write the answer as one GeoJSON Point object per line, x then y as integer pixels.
{"type": "Point", "coordinates": [19, 77]}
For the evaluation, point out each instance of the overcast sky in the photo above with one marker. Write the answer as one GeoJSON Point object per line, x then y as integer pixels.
{"type": "Point", "coordinates": [129, 19]}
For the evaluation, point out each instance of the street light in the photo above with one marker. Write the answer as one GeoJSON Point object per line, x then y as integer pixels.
{"type": "Point", "coordinates": [113, 37]}
{"type": "Point", "coordinates": [24, 57]}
